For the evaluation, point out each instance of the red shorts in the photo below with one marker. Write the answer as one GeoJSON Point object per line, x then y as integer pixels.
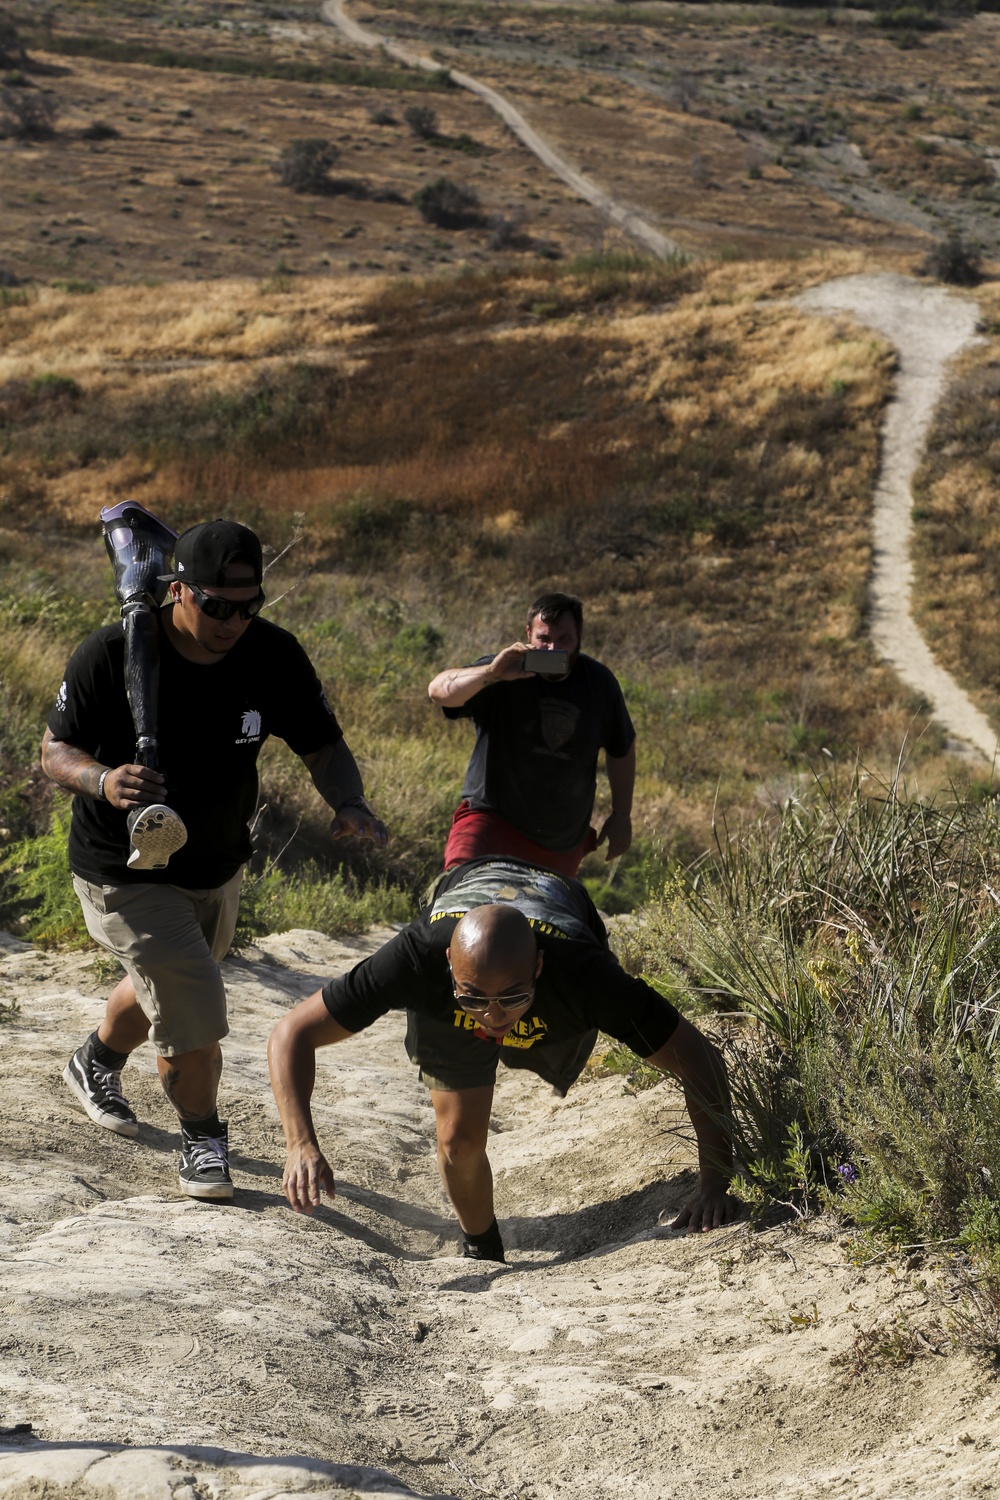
{"type": "Point", "coordinates": [475, 833]}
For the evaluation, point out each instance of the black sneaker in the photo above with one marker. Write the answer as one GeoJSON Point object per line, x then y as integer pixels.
{"type": "Point", "coordinates": [99, 1090]}
{"type": "Point", "coordinates": [205, 1165]}
{"type": "Point", "coordinates": [485, 1246]}
{"type": "Point", "coordinates": [156, 832]}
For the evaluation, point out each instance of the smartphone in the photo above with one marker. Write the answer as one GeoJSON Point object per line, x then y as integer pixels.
{"type": "Point", "coordinates": [546, 663]}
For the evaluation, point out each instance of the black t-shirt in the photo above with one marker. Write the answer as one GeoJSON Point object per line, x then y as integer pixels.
{"type": "Point", "coordinates": [535, 757]}
{"type": "Point", "coordinates": [213, 720]}
{"type": "Point", "coordinates": [581, 986]}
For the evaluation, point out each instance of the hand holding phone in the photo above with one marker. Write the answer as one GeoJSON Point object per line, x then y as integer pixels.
{"type": "Point", "coordinates": [546, 663]}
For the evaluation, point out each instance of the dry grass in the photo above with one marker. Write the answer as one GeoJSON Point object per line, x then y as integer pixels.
{"type": "Point", "coordinates": [754, 128]}
{"type": "Point", "coordinates": [214, 322]}
{"type": "Point", "coordinates": [957, 532]}
{"type": "Point", "coordinates": [186, 188]}
{"type": "Point", "coordinates": [678, 445]}
{"type": "Point", "coordinates": [763, 132]}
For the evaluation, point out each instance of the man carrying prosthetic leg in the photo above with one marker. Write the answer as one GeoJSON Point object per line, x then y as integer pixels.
{"type": "Point", "coordinates": [508, 964]}
{"type": "Point", "coordinates": [140, 547]}
{"type": "Point", "coordinates": [227, 680]}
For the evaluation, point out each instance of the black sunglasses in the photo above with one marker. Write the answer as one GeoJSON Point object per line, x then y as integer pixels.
{"type": "Point", "coordinates": [224, 609]}
{"type": "Point", "coordinates": [479, 1004]}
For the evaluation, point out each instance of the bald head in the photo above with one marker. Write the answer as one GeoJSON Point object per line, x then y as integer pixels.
{"type": "Point", "coordinates": [493, 938]}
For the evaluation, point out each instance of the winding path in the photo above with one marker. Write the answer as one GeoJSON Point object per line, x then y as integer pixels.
{"type": "Point", "coordinates": [928, 327]}
{"type": "Point", "coordinates": [639, 228]}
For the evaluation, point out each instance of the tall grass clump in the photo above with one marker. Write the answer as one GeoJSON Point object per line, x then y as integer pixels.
{"type": "Point", "coordinates": [278, 901]}
{"type": "Point", "coordinates": [851, 943]}
{"type": "Point", "coordinates": [37, 898]}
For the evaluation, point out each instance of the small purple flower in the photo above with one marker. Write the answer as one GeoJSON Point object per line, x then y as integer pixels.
{"type": "Point", "coordinates": [848, 1172]}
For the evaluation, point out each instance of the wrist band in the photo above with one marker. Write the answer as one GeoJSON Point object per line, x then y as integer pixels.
{"type": "Point", "coordinates": [359, 803]}
{"type": "Point", "coordinates": [100, 785]}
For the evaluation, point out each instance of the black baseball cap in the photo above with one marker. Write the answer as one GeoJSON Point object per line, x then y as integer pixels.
{"type": "Point", "coordinates": [204, 552]}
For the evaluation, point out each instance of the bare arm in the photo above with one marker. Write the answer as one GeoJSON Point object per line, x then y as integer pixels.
{"type": "Point", "coordinates": [125, 786]}
{"type": "Point", "coordinates": [697, 1064]}
{"type": "Point", "coordinates": [617, 827]}
{"type": "Point", "coordinates": [336, 777]}
{"type": "Point", "coordinates": [456, 685]}
{"type": "Point", "coordinates": [291, 1058]}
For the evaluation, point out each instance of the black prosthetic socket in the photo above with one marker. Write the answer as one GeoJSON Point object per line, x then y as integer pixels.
{"type": "Point", "coordinates": [485, 1246]}
{"type": "Point", "coordinates": [97, 1050]}
{"type": "Point", "coordinates": [140, 548]}
{"type": "Point", "coordinates": [210, 1126]}
{"type": "Point", "coordinates": [142, 679]}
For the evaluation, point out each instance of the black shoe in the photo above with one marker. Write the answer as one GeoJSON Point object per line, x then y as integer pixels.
{"type": "Point", "coordinates": [485, 1246]}
{"type": "Point", "coordinates": [156, 832]}
{"type": "Point", "coordinates": [205, 1165]}
{"type": "Point", "coordinates": [99, 1090]}
{"type": "Point", "coordinates": [476, 1252]}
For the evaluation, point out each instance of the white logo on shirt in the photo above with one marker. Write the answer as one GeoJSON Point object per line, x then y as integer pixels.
{"type": "Point", "coordinates": [250, 727]}
{"type": "Point", "coordinates": [61, 698]}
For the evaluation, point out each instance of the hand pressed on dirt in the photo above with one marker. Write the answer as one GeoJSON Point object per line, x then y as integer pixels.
{"type": "Point", "coordinates": [306, 1177]}
{"type": "Point", "coordinates": [710, 1208]}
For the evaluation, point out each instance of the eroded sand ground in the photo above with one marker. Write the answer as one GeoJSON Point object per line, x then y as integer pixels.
{"type": "Point", "coordinates": [161, 1347]}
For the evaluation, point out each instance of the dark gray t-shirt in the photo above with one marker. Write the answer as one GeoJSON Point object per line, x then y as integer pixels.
{"type": "Point", "coordinates": [537, 742]}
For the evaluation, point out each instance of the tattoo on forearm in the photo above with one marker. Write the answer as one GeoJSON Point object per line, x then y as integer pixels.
{"type": "Point", "coordinates": [71, 767]}
{"type": "Point", "coordinates": [335, 775]}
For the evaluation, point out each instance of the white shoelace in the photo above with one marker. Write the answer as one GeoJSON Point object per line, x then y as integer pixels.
{"type": "Point", "coordinates": [110, 1080]}
{"type": "Point", "coordinates": [208, 1153]}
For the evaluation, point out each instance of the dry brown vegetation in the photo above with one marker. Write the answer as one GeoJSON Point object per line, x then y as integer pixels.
{"type": "Point", "coordinates": [957, 532]}
{"type": "Point", "coordinates": [677, 444]}
{"type": "Point", "coordinates": [758, 131]}
{"type": "Point", "coordinates": [757, 128]}
{"type": "Point", "coordinates": [166, 172]}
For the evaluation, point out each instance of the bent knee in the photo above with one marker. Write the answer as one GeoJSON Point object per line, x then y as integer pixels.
{"type": "Point", "coordinates": [460, 1148]}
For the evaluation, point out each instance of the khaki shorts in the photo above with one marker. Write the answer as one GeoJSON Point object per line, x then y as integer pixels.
{"type": "Point", "coordinates": [450, 1059]}
{"type": "Point", "coordinates": [170, 941]}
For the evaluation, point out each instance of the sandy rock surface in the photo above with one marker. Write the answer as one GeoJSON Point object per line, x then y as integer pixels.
{"type": "Point", "coordinates": [175, 1350]}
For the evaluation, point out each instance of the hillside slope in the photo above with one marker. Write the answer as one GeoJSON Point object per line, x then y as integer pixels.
{"type": "Point", "coordinates": [610, 1356]}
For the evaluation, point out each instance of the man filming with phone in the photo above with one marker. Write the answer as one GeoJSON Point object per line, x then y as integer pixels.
{"type": "Point", "coordinates": [543, 711]}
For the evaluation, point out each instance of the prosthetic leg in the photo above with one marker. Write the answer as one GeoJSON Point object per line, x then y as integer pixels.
{"type": "Point", "coordinates": [140, 548]}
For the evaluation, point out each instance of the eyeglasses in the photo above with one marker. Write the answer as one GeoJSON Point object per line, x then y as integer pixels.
{"type": "Point", "coordinates": [478, 1005]}
{"type": "Point", "coordinates": [224, 609]}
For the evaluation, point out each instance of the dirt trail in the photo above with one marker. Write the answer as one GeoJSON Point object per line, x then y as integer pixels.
{"type": "Point", "coordinates": [585, 187]}
{"type": "Point", "coordinates": [928, 326]}
{"type": "Point", "coordinates": [170, 1350]}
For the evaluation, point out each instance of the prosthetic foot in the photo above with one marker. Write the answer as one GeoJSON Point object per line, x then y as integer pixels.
{"type": "Point", "coordinates": [156, 833]}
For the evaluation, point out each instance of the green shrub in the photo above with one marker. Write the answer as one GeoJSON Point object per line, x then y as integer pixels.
{"type": "Point", "coordinates": [12, 54]}
{"type": "Point", "coordinates": [449, 205]}
{"type": "Point", "coordinates": [37, 898]}
{"type": "Point", "coordinates": [27, 114]}
{"type": "Point", "coordinates": [955, 261]}
{"type": "Point", "coordinates": [309, 898]}
{"type": "Point", "coordinates": [54, 387]}
{"type": "Point", "coordinates": [304, 165]}
{"type": "Point", "coordinates": [854, 946]}
{"type": "Point", "coordinates": [99, 130]}
{"type": "Point", "coordinates": [907, 18]}
{"type": "Point", "coordinates": [354, 75]}
{"type": "Point", "coordinates": [422, 120]}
